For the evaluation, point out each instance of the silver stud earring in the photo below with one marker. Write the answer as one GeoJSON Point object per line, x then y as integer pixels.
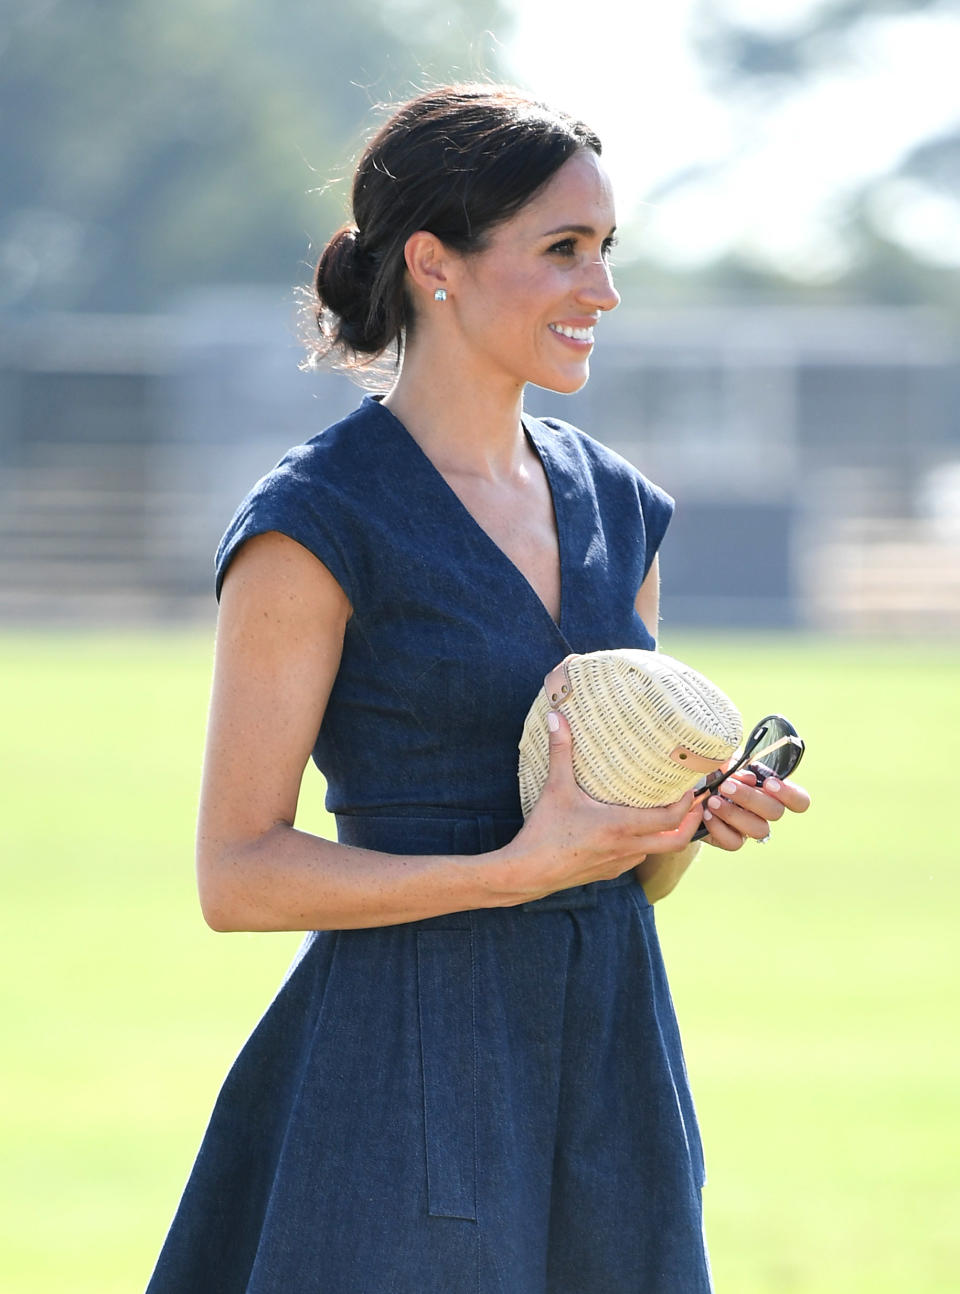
{"type": "Point", "coordinates": [440, 294]}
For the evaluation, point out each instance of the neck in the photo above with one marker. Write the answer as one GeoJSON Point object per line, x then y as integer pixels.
{"type": "Point", "coordinates": [461, 419]}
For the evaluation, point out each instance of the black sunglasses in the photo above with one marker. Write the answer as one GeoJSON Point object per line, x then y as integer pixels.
{"type": "Point", "coordinates": [773, 749]}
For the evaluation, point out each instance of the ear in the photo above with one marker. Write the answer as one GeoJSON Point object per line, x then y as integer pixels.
{"type": "Point", "coordinates": [428, 262]}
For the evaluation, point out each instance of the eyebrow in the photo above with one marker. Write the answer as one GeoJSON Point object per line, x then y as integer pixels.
{"type": "Point", "coordinates": [587, 231]}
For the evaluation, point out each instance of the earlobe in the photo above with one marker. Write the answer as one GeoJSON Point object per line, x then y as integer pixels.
{"type": "Point", "coordinates": [426, 261]}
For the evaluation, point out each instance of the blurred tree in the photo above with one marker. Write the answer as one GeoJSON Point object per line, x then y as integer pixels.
{"type": "Point", "coordinates": [899, 231]}
{"type": "Point", "coordinates": [149, 148]}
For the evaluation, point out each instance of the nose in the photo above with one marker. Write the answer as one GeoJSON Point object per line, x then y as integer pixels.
{"type": "Point", "coordinates": [597, 289]}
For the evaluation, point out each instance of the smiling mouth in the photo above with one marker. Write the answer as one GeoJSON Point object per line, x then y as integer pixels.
{"type": "Point", "coordinates": [574, 334]}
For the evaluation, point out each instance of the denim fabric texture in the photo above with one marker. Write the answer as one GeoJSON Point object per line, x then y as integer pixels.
{"type": "Point", "coordinates": [490, 1102]}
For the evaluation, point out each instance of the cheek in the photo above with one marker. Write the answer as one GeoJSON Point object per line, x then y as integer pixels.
{"type": "Point", "coordinates": [519, 296]}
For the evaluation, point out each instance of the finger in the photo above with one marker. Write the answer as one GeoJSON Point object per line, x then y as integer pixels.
{"type": "Point", "coordinates": [745, 776]}
{"type": "Point", "coordinates": [792, 796]}
{"type": "Point", "coordinates": [665, 817]}
{"type": "Point", "coordinates": [739, 818]}
{"type": "Point", "coordinates": [720, 833]}
{"type": "Point", "coordinates": [752, 798]}
{"type": "Point", "coordinates": [667, 842]}
{"type": "Point", "coordinates": [560, 749]}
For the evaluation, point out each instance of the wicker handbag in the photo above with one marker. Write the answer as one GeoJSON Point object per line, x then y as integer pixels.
{"type": "Point", "coordinates": [645, 727]}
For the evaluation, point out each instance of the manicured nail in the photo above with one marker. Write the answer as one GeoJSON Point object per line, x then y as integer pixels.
{"type": "Point", "coordinates": [553, 723]}
{"type": "Point", "coordinates": [773, 784]}
{"type": "Point", "coordinates": [714, 802]}
{"type": "Point", "coordinates": [728, 787]}
{"type": "Point", "coordinates": [707, 815]}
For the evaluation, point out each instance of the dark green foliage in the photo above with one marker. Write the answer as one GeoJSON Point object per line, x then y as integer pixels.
{"type": "Point", "coordinates": [150, 148]}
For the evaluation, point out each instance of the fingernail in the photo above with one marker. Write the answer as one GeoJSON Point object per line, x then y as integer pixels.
{"type": "Point", "coordinates": [553, 723]}
{"type": "Point", "coordinates": [773, 783]}
{"type": "Point", "coordinates": [728, 788]}
{"type": "Point", "coordinates": [714, 802]}
{"type": "Point", "coordinates": [707, 815]}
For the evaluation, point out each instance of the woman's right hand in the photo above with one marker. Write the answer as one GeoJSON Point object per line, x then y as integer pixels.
{"type": "Point", "coordinates": [571, 839]}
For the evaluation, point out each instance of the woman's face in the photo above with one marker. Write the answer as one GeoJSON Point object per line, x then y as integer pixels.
{"type": "Point", "coordinates": [527, 304]}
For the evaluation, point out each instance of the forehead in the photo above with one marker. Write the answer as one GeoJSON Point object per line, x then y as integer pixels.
{"type": "Point", "coordinates": [579, 193]}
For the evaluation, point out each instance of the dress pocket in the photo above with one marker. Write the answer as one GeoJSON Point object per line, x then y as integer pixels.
{"type": "Point", "coordinates": [448, 1059]}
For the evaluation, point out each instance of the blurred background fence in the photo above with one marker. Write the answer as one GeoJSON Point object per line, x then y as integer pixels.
{"type": "Point", "coordinates": [788, 185]}
{"type": "Point", "coordinates": [814, 451]}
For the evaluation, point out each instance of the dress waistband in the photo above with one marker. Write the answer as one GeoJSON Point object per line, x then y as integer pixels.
{"type": "Point", "coordinates": [467, 834]}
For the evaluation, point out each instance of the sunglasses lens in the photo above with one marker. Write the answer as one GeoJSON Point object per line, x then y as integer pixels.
{"type": "Point", "coordinates": [778, 750]}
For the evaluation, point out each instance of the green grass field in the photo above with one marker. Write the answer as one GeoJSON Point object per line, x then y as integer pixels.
{"type": "Point", "coordinates": [817, 980]}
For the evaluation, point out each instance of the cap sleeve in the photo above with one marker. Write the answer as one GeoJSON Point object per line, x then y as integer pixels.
{"type": "Point", "coordinates": [288, 501]}
{"type": "Point", "coordinates": [656, 508]}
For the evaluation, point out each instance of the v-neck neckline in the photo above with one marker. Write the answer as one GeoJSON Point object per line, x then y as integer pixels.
{"type": "Point", "coordinates": [547, 465]}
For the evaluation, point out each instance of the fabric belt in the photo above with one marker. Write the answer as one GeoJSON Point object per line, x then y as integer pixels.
{"type": "Point", "coordinates": [470, 834]}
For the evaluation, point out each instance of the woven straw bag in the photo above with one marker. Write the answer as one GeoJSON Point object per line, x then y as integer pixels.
{"type": "Point", "coordinates": [645, 727]}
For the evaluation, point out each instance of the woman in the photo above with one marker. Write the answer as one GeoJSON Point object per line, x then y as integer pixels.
{"type": "Point", "coordinates": [471, 1079]}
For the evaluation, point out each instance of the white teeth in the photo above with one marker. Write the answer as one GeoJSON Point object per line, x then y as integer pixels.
{"type": "Point", "coordinates": [580, 334]}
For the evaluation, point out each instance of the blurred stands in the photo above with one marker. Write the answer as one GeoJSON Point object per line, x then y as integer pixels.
{"type": "Point", "coordinates": [811, 451]}
{"type": "Point", "coordinates": [805, 447]}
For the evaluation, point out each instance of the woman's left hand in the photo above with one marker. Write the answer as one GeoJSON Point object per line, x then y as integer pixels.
{"type": "Point", "coordinates": [739, 810]}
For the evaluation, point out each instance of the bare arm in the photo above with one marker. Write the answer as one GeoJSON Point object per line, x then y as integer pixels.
{"type": "Point", "coordinates": [279, 642]}
{"type": "Point", "coordinates": [647, 602]}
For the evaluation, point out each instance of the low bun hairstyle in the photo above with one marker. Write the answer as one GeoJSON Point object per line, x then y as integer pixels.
{"type": "Point", "coordinates": [455, 161]}
{"type": "Point", "coordinates": [343, 284]}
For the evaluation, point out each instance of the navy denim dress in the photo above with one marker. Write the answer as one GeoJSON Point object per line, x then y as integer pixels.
{"type": "Point", "coordinates": [492, 1102]}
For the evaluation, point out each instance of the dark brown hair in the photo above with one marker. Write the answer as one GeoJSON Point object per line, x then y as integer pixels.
{"type": "Point", "coordinates": [454, 161]}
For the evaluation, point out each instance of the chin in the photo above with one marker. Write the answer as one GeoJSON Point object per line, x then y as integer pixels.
{"type": "Point", "coordinates": [564, 385]}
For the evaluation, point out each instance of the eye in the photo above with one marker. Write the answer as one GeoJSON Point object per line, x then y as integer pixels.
{"type": "Point", "coordinates": [565, 247]}
{"type": "Point", "coordinates": [608, 245]}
